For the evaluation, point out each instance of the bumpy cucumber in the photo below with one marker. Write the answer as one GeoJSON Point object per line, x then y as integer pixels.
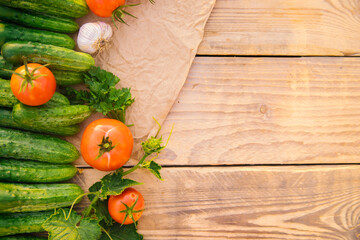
{"type": "Point", "coordinates": [58, 57]}
{"type": "Point", "coordinates": [26, 171]}
{"type": "Point", "coordinates": [6, 120]}
{"type": "Point", "coordinates": [25, 145]}
{"type": "Point", "coordinates": [5, 65]}
{"type": "Point", "coordinates": [50, 116]}
{"type": "Point", "coordinates": [18, 197]}
{"type": "Point", "coordinates": [66, 78]}
{"type": "Point", "coordinates": [46, 22]}
{"type": "Point", "coordinates": [18, 223]}
{"type": "Point", "coordinates": [7, 98]}
{"type": "Point", "coordinates": [63, 8]}
{"type": "Point", "coordinates": [11, 32]}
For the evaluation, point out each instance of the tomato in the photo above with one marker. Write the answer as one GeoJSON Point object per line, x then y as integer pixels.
{"type": "Point", "coordinates": [126, 215]}
{"type": "Point", "coordinates": [30, 88]}
{"type": "Point", "coordinates": [104, 8]}
{"type": "Point", "coordinates": [106, 144]}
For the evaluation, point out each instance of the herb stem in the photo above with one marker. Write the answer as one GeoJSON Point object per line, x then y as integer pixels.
{"type": "Point", "coordinates": [136, 166]}
{"type": "Point", "coordinates": [76, 199]}
{"type": "Point", "coordinates": [88, 210]}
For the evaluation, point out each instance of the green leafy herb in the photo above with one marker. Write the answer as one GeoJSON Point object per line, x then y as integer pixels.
{"type": "Point", "coordinates": [60, 227]}
{"type": "Point", "coordinates": [103, 96]}
{"type": "Point", "coordinates": [115, 184]}
{"type": "Point", "coordinates": [125, 232]}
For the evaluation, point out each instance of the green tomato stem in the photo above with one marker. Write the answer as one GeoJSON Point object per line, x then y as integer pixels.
{"type": "Point", "coordinates": [136, 166]}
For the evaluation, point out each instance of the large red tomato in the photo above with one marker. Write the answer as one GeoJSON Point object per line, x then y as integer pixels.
{"type": "Point", "coordinates": [33, 86]}
{"type": "Point", "coordinates": [133, 200]}
{"type": "Point", "coordinates": [104, 8]}
{"type": "Point", "coordinates": [106, 144]}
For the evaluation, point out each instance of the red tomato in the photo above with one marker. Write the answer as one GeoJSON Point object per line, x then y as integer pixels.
{"type": "Point", "coordinates": [104, 8]}
{"type": "Point", "coordinates": [106, 144]}
{"type": "Point", "coordinates": [118, 211]}
{"type": "Point", "coordinates": [43, 87]}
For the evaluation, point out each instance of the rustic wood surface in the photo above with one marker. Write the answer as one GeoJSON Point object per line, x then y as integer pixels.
{"type": "Point", "coordinates": [301, 202]}
{"type": "Point", "coordinates": [266, 111]}
{"type": "Point", "coordinates": [283, 27]}
{"type": "Point", "coordinates": [301, 114]}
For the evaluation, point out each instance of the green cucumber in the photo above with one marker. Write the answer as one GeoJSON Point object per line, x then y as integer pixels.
{"type": "Point", "coordinates": [45, 22]}
{"type": "Point", "coordinates": [59, 58]}
{"type": "Point", "coordinates": [22, 237]}
{"type": "Point", "coordinates": [25, 145]}
{"type": "Point", "coordinates": [66, 78]}
{"type": "Point", "coordinates": [26, 171]}
{"type": "Point", "coordinates": [10, 32]}
{"type": "Point", "coordinates": [6, 120]}
{"type": "Point", "coordinates": [17, 223]}
{"type": "Point", "coordinates": [7, 98]}
{"type": "Point", "coordinates": [63, 8]}
{"type": "Point", "coordinates": [18, 197]}
{"type": "Point", "coordinates": [50, 116]}
{"type": "Point", "coordinates": [5, 65]}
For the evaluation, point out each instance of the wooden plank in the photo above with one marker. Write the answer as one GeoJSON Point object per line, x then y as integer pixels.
{"type": "Point", "coordinates": [283, 27]}
{"type": "Point", "coordinates": [266, 111]}
{"type": "Point", "coordinates": [300, 203]}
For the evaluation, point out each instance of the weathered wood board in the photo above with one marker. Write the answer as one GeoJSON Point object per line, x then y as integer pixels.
{"type": "Point", "coordinates": [288, 202]}
{"type": "Point", "coordinates": [283, 27]}
{"type": "Point", "coordinates": [266, 111]}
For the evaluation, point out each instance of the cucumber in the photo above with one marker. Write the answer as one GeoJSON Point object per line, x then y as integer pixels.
{"type": "Point", "coordinates": [6, 120]}
{"type": "Point", "coordinates": [22, 237]}
{"type": "Point", "coordinates": [10, 32]}
{"type": "Point", "coordinates": [45, 22]}
{"type": "Point", "coordinates": [18, 223]}
{"type": "Point", "coordinates": [7, 98]}
{"type": "Point", "coordinates": [26, 171]}
{"type": "Point", "coordinates": [66, 78]}
{"type": "Point", "coordinates": [59, 58]}
{"type": "Point", "coordinates": [25, 145]}
{"type": "Point", "coordinates": [18, 197]}
{"type": "Point", "coordinates": [63, 8]}
{"type": "Point", "coordinates": [50, 116]}
{"type": "Point", "coordinates": [5, 65]}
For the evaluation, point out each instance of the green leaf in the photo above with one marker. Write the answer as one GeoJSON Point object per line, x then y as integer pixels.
{"type": "Point", "coordinates": [74, 228]}
{"type": "Point", "coordinates": [154, 168]}
{"type": "Point", "coordinates": [125, 232]}
{"type": "Point", "coordinates": [115, 184]}
{"type": "Point", "coordinates": [103, 96]}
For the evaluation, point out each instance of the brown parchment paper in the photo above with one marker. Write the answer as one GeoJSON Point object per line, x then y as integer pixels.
{"type": "Point", "coordinates": [152, 56]}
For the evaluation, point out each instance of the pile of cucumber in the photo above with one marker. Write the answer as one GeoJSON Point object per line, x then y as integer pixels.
{"type": "Point", "coordinates": [33, 158]}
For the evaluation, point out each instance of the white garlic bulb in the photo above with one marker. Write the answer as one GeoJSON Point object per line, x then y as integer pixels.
{"type": "Point", "coordinates": [93, 37]}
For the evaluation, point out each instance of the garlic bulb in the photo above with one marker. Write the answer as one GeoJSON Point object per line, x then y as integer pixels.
{"type": "Point", "coordinates": [94, 36]}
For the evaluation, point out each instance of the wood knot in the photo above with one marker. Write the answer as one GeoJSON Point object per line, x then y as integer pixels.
{"type": "Point", "coordinates": [263, 109]}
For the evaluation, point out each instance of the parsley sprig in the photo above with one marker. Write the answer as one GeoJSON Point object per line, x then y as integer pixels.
{"type": "Point", "coordinates": [103, 96]}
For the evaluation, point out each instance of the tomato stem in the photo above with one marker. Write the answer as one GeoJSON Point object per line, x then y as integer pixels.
{"type": "Point", "coordinates": [119, 13]}
{"type": "Point", "coordinates": [105, 146]}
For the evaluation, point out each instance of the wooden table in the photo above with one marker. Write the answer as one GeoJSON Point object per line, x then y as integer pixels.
{"type": "Point", "coordinates": [266, 142]}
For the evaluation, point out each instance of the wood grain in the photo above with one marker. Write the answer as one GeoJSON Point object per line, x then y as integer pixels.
{"type": "Point", "coordinates": [301, 202]}
{"type": "Point", "coordinates": [266, 111]}
{"type": "Point", "coordinates": [283, 27]}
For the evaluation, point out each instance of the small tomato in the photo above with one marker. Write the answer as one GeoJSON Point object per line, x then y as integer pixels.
{"type": "Point", "coordinates": [130, 213]}
{"type": "Point", "coordinates": [33, 84]}
{"type": "Point", "coordinates": [106, 144]}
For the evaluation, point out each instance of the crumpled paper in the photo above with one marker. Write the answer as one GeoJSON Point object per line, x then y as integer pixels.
{"type": "Point", "coordinates": [152, 56]}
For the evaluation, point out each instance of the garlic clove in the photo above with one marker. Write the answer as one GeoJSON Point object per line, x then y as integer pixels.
{"type": "Point", "coordinates": [93, 37]}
